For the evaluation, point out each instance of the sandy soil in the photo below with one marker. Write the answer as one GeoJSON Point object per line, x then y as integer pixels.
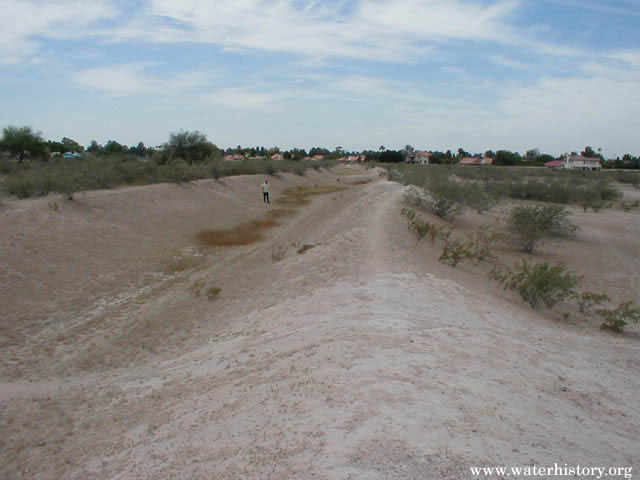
{"type": "Point", "coordinates": [360, 358]}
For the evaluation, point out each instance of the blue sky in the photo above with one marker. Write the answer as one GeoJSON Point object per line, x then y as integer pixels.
{"type": "Point", "coordinates": [556, 75]}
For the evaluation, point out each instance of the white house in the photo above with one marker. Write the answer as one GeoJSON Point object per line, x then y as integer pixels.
{"type": "Point", "coordinates": [578, 162]}
{"type": "Point", "coordinates": [419, 157]}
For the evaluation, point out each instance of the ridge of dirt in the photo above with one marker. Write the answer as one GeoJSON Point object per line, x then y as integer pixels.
{"type": "Point", "coordinates": [361, 357]}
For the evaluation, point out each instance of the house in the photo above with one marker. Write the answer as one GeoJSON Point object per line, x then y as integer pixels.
{"type": "Point", "coordinates": [353, 158]}
{"type": "Point", "coordinates": [470, 161]}
{"type": "Point", "coordinates": [555, 164]}
{"type": "Point", "coordinates": [277, 156]}
{"type": "Point", "coordinates": [578, 162]}
{"type": "Point", "coordinates": [421, 158]}
{"type": "Point", "coordinates": [317, 157]}
{"type": "Point", "coordinates": [71, 155]}
{"type": "Point", "coordinates": [476, 161]}
{"type": "Point", "coordinates": [234, 157]}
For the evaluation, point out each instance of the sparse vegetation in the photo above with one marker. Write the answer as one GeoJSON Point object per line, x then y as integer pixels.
{"type": "Point", "coordinates": [629, 206]}
{"type": "Point", "coordinates": [213, 293]}
{"type": "Point", "coordinates": [539, 283]}
{"type": "Point", "coordinates": [531, 223]}
{"type": "Point", "coordinates": [616, 319]}
{"type": "Point", "coordinates": [453, 252]}
{"type": "Point", "coordinates": [305, 247]}
{"type": "Point", "coordinates": [588, 300]}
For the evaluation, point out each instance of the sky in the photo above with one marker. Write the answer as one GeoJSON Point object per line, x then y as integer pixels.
{"type": "Point", "coordinates": [556, 75]}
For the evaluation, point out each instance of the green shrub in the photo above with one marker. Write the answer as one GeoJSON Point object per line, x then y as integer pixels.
{"type": "Point", "coordinates": [540, 283]}
{"type": "Point", "coordinates": [480, 244]}
{"type": "Point", "coordinates": [453, 252]}
{"type": "Point", "coordinates": [587, 300]}
{"type": "Point", "coordinates": [529, 224]}
{"type": "Point", "coordinates": [446, 197]}
{"type": "Point", "coordinates": [628, 206]}
{"type": "Point", "coordinates": [22, 186]}
{"type": "Point", "coordinates": [619, 317]}
{"type": "Point", "coordinates": [423, 230]}
{"type": "Point", "coordinates": [481, 198]}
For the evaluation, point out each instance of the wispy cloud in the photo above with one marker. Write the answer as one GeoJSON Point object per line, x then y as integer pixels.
{"type": "Point", "coordinates": [26, 20]}
{"type": "Point", "coordinates": [135, 79]}
{"type": "Point", "coordinates": [500, 60]}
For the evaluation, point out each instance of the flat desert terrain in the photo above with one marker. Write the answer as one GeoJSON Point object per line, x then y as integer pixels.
{"type": "Point", "coordinates": [333, 348]}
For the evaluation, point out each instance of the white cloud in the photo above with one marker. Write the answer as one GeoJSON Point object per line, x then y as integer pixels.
{"type": "Point", "coordinates": [134, 79]}
{"type": "Point", "coordinates": [394, 30]}
{"type": "Point", "coordinates": [25, 19]}
{"type": "Point", "coordinates": [507, 62]}
{"type": "Point", "coordinates": [597, 106]}
{"type": "Point", "coordinates": [243, 98]}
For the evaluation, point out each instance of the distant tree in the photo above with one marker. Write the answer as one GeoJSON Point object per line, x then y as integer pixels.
{"type": "Point", "coordinates": [55, 147]}
{"type": "Point", "coordinates": [22, 142]}
{"type": "Point", "coordinates": [140, 150]}
{"type": "Point", "coordinates": [190, 146]}
{"type": "Point", "coordinates": [589, 153]}
{"type": "Point", "coordinates": [545, 157]}
{"type": "Point", "coordinates": [318, 151]}
{"type": "Point", "coordinates": [94, 147]}
{"type": "Point", "coordinates": [489, 154]}
{"type": "Point", "coordinates": [462, 153]}
{"type": "Point", "coordinates": [381, 149]}
{"type": "Point", "coordinates": [408, 149]}
{"type": "Point", "coordinates": [114, 147]}
{"type": "Point", "coordinates": [391, 156]}
{"type": "Point", "coordinates": [505, 157]}
{"type": "Point", "coordinates": [532, 155]}
{"type": "Point", "coordinates": [71, 145]}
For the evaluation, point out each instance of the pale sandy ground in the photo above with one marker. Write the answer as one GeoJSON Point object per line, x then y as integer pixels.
{"type": "Point", "coordinates": [363, 358]}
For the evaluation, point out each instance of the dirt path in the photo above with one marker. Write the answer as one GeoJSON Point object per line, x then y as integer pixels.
{"type": "Point", "coordinates": [357, 359]}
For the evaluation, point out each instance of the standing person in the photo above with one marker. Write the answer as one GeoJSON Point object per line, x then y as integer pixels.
{"type": "Point", "coordinates": [265, 191]}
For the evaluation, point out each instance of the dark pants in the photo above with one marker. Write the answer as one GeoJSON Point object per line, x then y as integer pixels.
{"type": "Point", "coordinates": [265, 196]}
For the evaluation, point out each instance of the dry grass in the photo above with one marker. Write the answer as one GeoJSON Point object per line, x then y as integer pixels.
{"type": "Point", "coordinates": [300, 195]}
{"type": "Point", "coordinates": [360, 182]}
{"type": "Point", "coordinates": [251, 232]}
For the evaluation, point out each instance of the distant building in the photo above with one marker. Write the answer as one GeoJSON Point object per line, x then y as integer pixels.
{"type": "Point", "coordinates": [555, 164]}
{"type": "Point", "coordinates": [421, 158]}
{"type": "Point", "coordinates": [476, 161]}
{"type": "Point", "coordinates": [578, 162]}
{"type": "Point", "coordinates": [234, 157]}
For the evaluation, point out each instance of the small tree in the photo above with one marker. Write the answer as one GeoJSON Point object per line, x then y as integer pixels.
{"type": "Point", "coordinates": [22, 142]}
{"type": "Point", "coordinates": [190, 146]}
{"type": "Point", "coordinates": [529, 224]}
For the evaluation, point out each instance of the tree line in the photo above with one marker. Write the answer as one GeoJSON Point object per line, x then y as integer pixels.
{"type": "Point", "coordinates": [193, 146]}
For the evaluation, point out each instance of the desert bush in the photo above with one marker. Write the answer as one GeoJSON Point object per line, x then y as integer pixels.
{"type": "Point", "coordinates": [445, 197]}
{"type": "Point", "coordinates": [481, 198]}
{"type": "Point", "coordinates": [628, 206]}
{"type": "Point", "coordinates": [22, 186]}
{"type": "Point", "coordinates": [213, 293]}
{"type": "Point", "coordinates": [529, 224]}
{"type": "Point", "coordinates": [595, 205]}
{"type": "Point", "coordinates": [423, 230]}
{"type": "Point", "coordinates": [617, 318]}
{"type": "Point", "coordinates": [588, 300]}
{"type": "Point", "coordinates": [176, 171]}
{"type": "Point", "coordinates": [453, 251]}
{"type": "Point", "coordinates": [304, 248]}
{"type": "Point", "coordinates": [539, 283]}
{"type": "Point", "coordinates": [480, 244]}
